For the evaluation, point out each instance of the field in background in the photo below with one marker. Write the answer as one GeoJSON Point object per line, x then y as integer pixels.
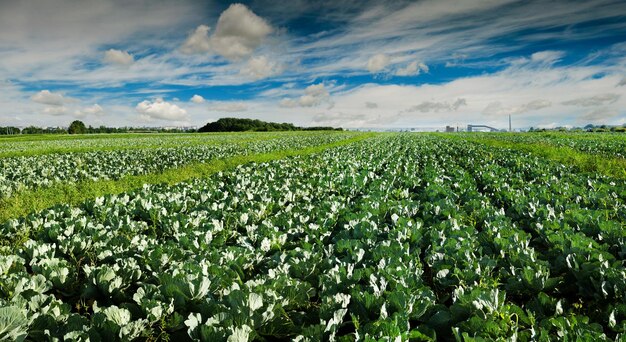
{"type": "Point", "coordinates": [313, 236]}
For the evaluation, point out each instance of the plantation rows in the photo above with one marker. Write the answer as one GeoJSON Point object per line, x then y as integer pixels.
{"type": "Point", "coordinates": [45, 144]}
{"type": "Point", "coordinates": [403, 236]}
{"type": "Point", "coordinates": [27, 172]}
{"type": "Point", "coordinates": [612, 145]}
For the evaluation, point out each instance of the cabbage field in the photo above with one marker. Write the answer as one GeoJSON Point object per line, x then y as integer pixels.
{"type": "Point", "coordinates": [391, 237]}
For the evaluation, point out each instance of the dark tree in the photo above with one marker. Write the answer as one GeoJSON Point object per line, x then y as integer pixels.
{"type": "Point", "coordinates": [242, 125]}
{"type": "Point", "coordinates": [77, 127]}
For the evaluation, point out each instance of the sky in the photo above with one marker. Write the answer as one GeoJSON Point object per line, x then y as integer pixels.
{"type": "Point", "coordinates": [343, 63]}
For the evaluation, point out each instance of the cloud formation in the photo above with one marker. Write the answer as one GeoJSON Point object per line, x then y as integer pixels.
{"type": "Point", "coordinates": [260, 67]}
{"type": "Point", "coordinates": [378, 62]}
{"type": "Point", "coordinates": [87, 111]}
{"type": "Point", "coordinates": [56, 110]}
{"type": "Point", "coordinates": [197, 99]}
{"type": "Point", "coordinates": [118, 57]}
{"type": "Point", "coordinates": [496, 108]}
{"type": "Point", "coordinates": [413, 68]}
{"type": "Point", "coordinates": [49, 98]}
{"type": "Point", "coordinates": [597, 100]}
{"type": "Point", "coordinates": [598, 115]}
{"type": "Point", "coordinates": [198, 41]}
{"type": "Point", "coordinates": [314, 95]}
{"type": "Point", "coordinates": [239, 32]}
{"type": "Point", "coordinates": [161, 110]}
{"type": "Point", "coordinates": [430, 106]}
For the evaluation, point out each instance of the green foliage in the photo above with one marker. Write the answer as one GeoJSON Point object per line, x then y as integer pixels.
{"type": "Point", "coordinates": [243, 125]}
{"type": "Point", "coordinates": [77, 127]}
{"type": "Point", "coordinates": [398, 237]}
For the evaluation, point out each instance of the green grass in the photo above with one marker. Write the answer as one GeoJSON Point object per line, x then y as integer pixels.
{"type": "Point", "coordinates": [585, 162]}
{"type": "Point", "coordinates": [29, 201]}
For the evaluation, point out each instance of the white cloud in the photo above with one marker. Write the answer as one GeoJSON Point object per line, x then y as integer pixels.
{"type": "Point", "coordinates": [96, 110]}
{"type": "Point", "coordinates": [430, 106]}
{"type": "Point", "coordinates": [413, 68]}
{"type": "Point", "coordinates": [162, 110]}
{"type": "Point", "coordinates": [378, 62]}
{"type": "Point", "coordinates": [597, 100]}
{"type": "Point", "coordinates": [260, 67]}
{"type": "Point", "coordinates": [230, 107]}
{"type": "Point", "coordinates": [49, 98]}
{"type": "Point", "coordinates": [118, 57]}
{"type": "Point", "coordinates": [547, 57]}
{"type": "Point", "coordinates": [197, 99]}
{"type": "Point", "coordinates": [496, 108]}
{"type": "Point", "coordinates": [314, 95]}
{"type": "Point", "coordinates": [56, 110]}
{"type": "Point", "coordinates": [197, 41]}
{"type": "Point", "coordinates": [239, 32]}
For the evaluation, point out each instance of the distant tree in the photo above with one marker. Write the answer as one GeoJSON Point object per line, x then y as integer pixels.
{"type": "Point", "coordinates": [77, 127]}
{"type": "Point", "coordinates": [241, 125]}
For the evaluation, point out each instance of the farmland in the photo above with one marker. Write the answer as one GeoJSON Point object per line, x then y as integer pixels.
{"type": "Point", "coordinates": [349, 236]}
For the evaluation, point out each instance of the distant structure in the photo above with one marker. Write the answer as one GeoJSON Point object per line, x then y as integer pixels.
{"type": "Point", "coordinates": [510, 130]}
{"type": "Point", "coordinates": [449, 129]}
{"type": "Point", "coordinates": [470, 128]}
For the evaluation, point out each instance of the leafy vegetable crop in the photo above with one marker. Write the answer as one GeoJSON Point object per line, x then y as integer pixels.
{"type": "Point", "coordinates": [27, 172]}
{"type": "Point", "coordinates": [397, 237]}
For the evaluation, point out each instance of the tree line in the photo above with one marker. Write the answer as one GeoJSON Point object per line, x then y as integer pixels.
{"type": "Point", "coordinates": [221, 125]}
{"type": "Point", "coordinates": [247, 125]}
{"type": "Point", "coordinates": [78, 127]}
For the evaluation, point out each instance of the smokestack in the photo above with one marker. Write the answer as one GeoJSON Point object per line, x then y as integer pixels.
{"type": "Point", "coordinates": [510, 130]}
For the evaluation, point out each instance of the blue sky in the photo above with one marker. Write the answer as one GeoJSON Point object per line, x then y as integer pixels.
{"type": "Point", "coordinates": [369, 64]}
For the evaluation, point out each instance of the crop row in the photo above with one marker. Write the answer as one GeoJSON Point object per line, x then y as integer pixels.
{"type": "Point", "coordinates": [27, 172]}
{"type": "Point", "coordinates": [612, 145]}
{"type": "Point", "coordinates": [45, 145]}
{"type": "Point", "coordinates": [404, 236]}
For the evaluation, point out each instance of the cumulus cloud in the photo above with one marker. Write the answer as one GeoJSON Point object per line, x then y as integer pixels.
{"type": "Point", "coordinates": [239, 32]}
{"type": "Point", "coordinates": [378, 62]}
{"type": "Point", "coordinates": [92, 110]}
{"type": "Point", "coordinates": [314, 95]}
{"type": "Point", "coordinates": [118, 57]}
{"type": "Point", "coordinates": [496, 108]}
{"type": "Point", "coordinates": [597, 100]}
{"type": "Point", "coordinates": [371, 105]}
{"type": "Point", "coordinates": [162, 110]}
{"type": "Point", "coordinates": [413, 68]}
{"type": "Point", "coordinates": [49, 98]}
{"type": "Point", "coordinates": [260, 67]}
{"type": "Point", "coordinates": [197, 99]}
{"type": "Point", "coordinates": [230, 107]}
{"type": "Point", "coordinates": [429, 106]}
{"type": "Point", "coordinates": [197, 41]}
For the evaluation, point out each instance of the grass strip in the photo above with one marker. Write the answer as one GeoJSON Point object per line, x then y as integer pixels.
{"type": "Point", "coordinates": [29, 201]}
{"type": "Point", "coordinates": [585, 162]}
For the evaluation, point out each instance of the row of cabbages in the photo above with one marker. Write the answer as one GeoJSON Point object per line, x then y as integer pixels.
{"type": "Point", "coordinates": [28, 172]}
{"type": "Point", "coordinates": [398, 237]}
{"type": "Point", "coordinates": [56, 144]}
{"type": "Point", "coordinates": [612, 145]}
